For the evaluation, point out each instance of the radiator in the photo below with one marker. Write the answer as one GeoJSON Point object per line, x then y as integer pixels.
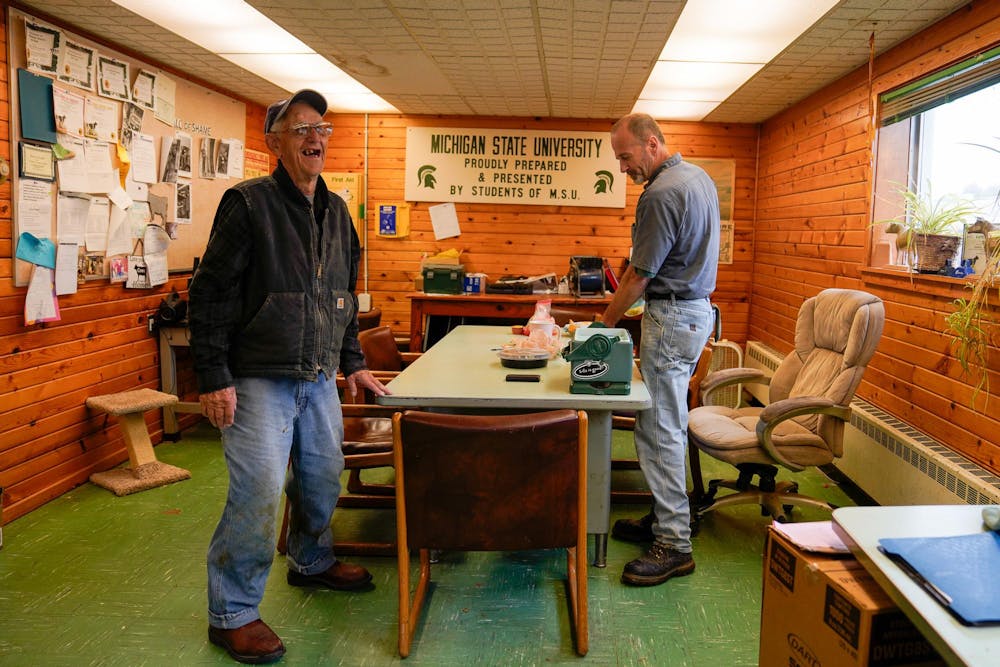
{"type": "Point", "coordinates": [891, 461]}
{"type": "Point", "coordinates": [763, 358]}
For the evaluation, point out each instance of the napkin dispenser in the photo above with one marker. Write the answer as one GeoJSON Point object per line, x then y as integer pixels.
{"type": "Point", "coordinates": [586, 275]}
{"type": "Point", "coordinates": [600, 361]}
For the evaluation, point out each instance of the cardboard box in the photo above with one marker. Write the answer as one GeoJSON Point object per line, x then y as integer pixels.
{"type": "Point", "coordinates": [820, 610]}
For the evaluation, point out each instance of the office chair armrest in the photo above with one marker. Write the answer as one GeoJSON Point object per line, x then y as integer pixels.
{"type": "Point", "coordinates": [729, 376]}
{"type": "Point", "coordinates": [789, 408]}
{"type": "Point", "coordinates": [409, 357]}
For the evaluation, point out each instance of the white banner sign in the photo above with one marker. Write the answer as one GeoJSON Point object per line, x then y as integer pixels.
{"type": "Point", "coordinates": [512, 167]}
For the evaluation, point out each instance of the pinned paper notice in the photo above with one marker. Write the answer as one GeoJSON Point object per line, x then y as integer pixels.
{"type": "Point", "coordinates": [40, 304]}
{"type": "Point", "coordinates": [444, 220]}
{"type": "Point", "coordinates": [66, 268]}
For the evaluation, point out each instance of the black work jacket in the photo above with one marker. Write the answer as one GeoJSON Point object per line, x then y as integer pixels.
{"type": "Point", "coordinates": [274, 293]}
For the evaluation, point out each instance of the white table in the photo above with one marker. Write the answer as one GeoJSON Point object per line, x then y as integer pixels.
{"type": "Point", "coordinates": [462, 371]}
{"type": "Point", "coordinates": [863, 527]}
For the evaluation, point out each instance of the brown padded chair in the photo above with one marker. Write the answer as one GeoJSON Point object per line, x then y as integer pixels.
{"type": "Point", "coordinates": [462, 485]}
{"type": "Point", "coordinates": [370, 432]}
{"type": "Point", "coordinates": [370, 319]}
{"type": "Point", "coordinates": [809, 398]}
{"type": "Point", "coordinates": [381, 352]}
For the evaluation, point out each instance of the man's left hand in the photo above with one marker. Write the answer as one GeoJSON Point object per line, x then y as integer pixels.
{"type": "Point", "coordinates": [363, 379]}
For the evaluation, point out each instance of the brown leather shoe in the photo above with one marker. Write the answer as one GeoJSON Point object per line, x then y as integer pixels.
{"type": "Point", "coordinates": [253, 644]}
{"type": "Point", "coordinates": [340, 576]}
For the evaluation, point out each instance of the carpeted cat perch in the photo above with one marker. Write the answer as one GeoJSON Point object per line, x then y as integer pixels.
{"type": "Point", "coordinates": [144, 471]}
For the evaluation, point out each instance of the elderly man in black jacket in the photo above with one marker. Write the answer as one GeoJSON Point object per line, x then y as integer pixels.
{"type": "Point", "coordinates": [273, 316]}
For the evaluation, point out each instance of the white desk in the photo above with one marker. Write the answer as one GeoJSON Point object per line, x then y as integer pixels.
{"type": "Point", "coordinates": [863, 527]}
{"type": "Point", "coordinates": [462, 371]}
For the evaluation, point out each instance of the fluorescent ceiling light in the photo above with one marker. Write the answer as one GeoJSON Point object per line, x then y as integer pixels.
{"type": "Point", "coordinates": [675, 109]}
{"type": "Point", "coordinates": [679, 80]}
{"type": "Point", "coordinates": [226, 27]}
{"type": "Point", "coordinates": [717, 46]}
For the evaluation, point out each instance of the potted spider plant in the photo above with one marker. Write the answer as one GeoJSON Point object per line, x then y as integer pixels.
{"type": "Point", "coordinates": [927, 231]}
{"type": "Point", "coordinates": [972, 324]}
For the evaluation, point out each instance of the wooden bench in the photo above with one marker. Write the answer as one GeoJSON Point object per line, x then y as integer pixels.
{"type": "Point", "coordinates": [144, 471]}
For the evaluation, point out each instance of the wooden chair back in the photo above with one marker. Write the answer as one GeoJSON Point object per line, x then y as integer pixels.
{"type": "Point", "coordinates": [490, 483]}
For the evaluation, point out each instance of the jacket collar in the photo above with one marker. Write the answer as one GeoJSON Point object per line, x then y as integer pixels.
{"type": "Point", "coordinates": [289, 189]}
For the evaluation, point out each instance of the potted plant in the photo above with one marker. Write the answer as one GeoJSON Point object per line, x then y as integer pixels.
{"type": "Point", "coordinates": [971, 324]}
{"type": "Point", "coordinates": [928, 229]}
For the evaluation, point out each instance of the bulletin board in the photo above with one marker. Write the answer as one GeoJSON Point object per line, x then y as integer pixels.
{"type": "Point", "coordinates": [198, 113]}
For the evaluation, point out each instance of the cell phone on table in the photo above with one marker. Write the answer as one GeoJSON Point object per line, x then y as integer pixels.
{"type": "Point", "coordinates": [523, 377]}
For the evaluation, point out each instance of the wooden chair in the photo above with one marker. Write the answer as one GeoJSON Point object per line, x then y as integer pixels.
{"type": "Point", "coordinates": [366, 429]}
{"type": "Point", "coordinates": [369, 432]}
{"type": "Point", "coordinates": [462, 485]}
{"type": "Point", "coordinates": [627, 423]}
{"type": "Point", "coordinates": [369, 320]}
{"type": "Point", "coordinates": [382, 354]}
{"type": "Point", "coordinates": [367, 439]}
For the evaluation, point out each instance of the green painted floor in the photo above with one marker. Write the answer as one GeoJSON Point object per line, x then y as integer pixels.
{"type": "Point", "coordinates": [94, 579]}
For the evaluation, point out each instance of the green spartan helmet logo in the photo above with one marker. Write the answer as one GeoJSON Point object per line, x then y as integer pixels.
{"type": "Point", "coordinates": [605, 179]}
{"type": "Point", "coordinates": [425, 176]}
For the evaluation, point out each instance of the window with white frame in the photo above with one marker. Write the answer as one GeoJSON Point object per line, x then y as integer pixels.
{"type": "Point", "coordinates": [940, 138]}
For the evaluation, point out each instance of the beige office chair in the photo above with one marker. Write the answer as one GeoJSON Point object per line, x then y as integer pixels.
{"type": "Point", "coordinates": [809, 403]}
{"type": "Point", "coordinates": [462, 485]}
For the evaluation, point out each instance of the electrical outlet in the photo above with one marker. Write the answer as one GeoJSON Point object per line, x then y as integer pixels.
{"type": "Point", "coordinates": [364, 302]}
{"type": "Point", "coordinates": [150, 323]}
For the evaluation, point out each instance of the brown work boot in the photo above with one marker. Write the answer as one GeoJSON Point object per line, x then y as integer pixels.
{"type": "Point", "coordinates": [634, 530]}
{"type": "Point", "coordinates": [657, 565]}
{"type": "Point", "coordinates": [340, 576]}
{"type": "Point", "coordinates": [252, 644]}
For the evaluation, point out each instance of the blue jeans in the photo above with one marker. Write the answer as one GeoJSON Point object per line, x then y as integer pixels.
{"type": "Point", "coordinates": [277, 420]}
{"type": "Point", "coordinates": [673, 336]}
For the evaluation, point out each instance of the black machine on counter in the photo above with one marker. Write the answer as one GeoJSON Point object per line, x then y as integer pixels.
{"type": "Point", "coordinates": [586, 275]}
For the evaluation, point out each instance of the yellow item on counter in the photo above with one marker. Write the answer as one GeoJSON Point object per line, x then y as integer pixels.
{"type": "Point", "coordinates": [450, 256]}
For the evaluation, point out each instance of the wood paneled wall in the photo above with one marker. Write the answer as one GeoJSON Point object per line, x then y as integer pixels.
{"type": "Point", "coordinates": [49, 441]}
{"type": "Point", "coordinates": [814, 194]}
{"type": "Point", "coordinates": [501, 239]}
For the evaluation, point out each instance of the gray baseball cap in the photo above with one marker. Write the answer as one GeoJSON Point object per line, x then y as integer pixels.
{"type": "Point", "coordinates": [276, 111]}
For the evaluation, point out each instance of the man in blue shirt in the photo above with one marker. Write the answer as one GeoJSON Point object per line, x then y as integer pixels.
{"type": "Point", "coordinates": [675, 255]}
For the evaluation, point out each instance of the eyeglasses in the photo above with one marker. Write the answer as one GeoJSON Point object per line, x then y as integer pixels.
{"type": "Point", "coordinates": [302, 129]}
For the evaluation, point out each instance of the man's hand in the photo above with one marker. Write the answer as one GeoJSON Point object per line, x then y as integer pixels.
{"type": "Point", "coordinates": [363, 379]}
{"type": "Point", "coordinates": [219, 406]}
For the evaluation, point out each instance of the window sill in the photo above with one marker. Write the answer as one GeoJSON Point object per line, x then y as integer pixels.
{"type": "Point", "coordinates": [926, 283]}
